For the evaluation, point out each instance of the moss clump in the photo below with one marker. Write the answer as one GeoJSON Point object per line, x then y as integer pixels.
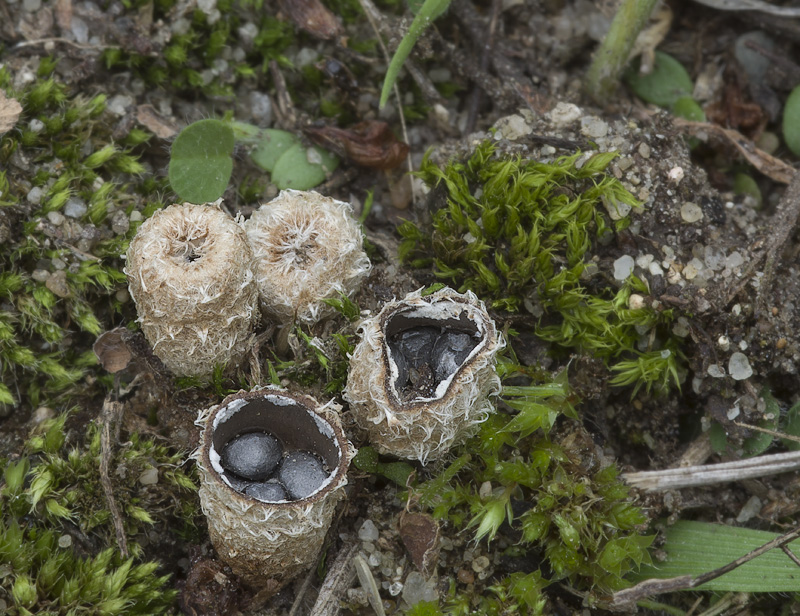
{"type": "Point", "coordinates": [58, 281]}
{"type": "Point", "coordinates": [545, 497]}
{"type": "Point", "coordinates": [521, 233]}
{"type": "Point", "coordinates": [54, 514]}
{"type": "Point", "coordinates": [195, 56]}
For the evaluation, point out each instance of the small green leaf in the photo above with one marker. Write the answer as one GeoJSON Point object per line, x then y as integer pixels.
{"type": "Point", "coordinates": [791, 121]}
{"type": "Point", "coordinates": [667, 82]}
{"type": "Point", "coordinates": [200, 162]}
{"type": "Point", "coordinates": [294, 169]}
{"type": "Point", "coordinates": [688, 109]}
{"type": "Point", "coordinates": [366, 460]}
{"type": "Point", "coordinates": [744, 184]}
{"type": "Point", "coordinates": [271, 146]}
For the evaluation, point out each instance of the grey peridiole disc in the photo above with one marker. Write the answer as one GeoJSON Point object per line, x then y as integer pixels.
{"type": "Point", "coordinates": [253, 456]}
{"type": "Point", "coordinates": [268, 492]}
{"type": "Point", "coordinates": [302, 474]}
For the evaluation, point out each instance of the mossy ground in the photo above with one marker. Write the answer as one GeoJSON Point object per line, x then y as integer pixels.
{"type": "Point", "coordinates": [598, 368]}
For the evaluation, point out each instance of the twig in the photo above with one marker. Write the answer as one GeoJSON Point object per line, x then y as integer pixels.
{"type": "Point", "coordinates": [709, 474]}
{"type": "Point", "coordinates": [684, 582]}
{"type": "Point", "coordinates": [286, 111]}
{"type": "Point", "coordinates": [340, 577]}
{"type": "Point", "coordinates": [775, 433]}
{"type": "Point", "coordinates": [109, 418]}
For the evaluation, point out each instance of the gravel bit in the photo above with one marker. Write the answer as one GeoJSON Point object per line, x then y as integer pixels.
{"type": "Point", "coordinates": [302, 474]}
{"type": "Point", "coordinates": [253, 456]}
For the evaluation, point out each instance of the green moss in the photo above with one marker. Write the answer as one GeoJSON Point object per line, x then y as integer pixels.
{"type": "Point", "coordinates": [51, 498]}
{"type": "Point", "coordinates": [521, 233]}
{"type": "Point", "coordinates": [45, 338]}
{"type": "Point", "coordinates": [545, 496]}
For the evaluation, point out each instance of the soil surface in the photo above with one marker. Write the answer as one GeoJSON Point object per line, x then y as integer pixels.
{"type": "Point", "coordinates": [726, 260]}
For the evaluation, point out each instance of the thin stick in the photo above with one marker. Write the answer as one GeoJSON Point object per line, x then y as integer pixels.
{"type": "Point", "coordinates": [774, 433]}
{"type": "Point", "coordinates": [684, 582]}
{"type": "Point", "coordinates": [340, 577]}
{"type": "Point", "coordinates": [709, 474]}
{"type": "Point", "coordinates": [109, 416]}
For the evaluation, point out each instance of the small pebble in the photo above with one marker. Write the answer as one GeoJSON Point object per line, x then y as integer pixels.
{"type": "Point", "coordinates": [302, 474]}
{"type": "Point", "coordinates": [268, 492]}
{"type": "Point", "coordinates": [368, 531]}
{"type": "Point", "coordinates": [593, 127]}
{"type": "Point", "coordinates": [691, 212]}
{"type": "Point", "coordinates": [739, 367]}
{"type": "Point", "coordinates": [75, 208]}
{"type": "Point", "coordinates": [253, 456]}
{"type": "Point", "coordinates": [56, 218]}
{"type": "Point", "coordinates": [716, 371]}
{"type": "Point", "coordinates": [149, 477]}
{"type": "Point", "coordinates": [65, 541]}
{"type": "Point", "coordinates": [57, 283]}
{"type": "Point", "coordinates": [34, 195]}
{"type": "Point", "coordinates": [623, 267]}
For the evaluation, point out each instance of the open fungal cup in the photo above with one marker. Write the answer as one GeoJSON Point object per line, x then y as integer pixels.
{"type": "Point", "coordinates": [272, 467]}
{"type": "Point", "coordinates": [308, 248]}
{"type": "Point", "coordinates": [423, 372]}
{"type": "Point", "coordinates": [189, 270]}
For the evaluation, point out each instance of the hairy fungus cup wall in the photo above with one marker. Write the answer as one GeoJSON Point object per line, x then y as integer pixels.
{"type": "Point", "coordinates": [423, 372]}
{"type": "Point", "coordinates": [268, 540]}
{"type": "Point", "coordinates": [307, 248]}
{"type": "Point", "coordinates": [190, 273]}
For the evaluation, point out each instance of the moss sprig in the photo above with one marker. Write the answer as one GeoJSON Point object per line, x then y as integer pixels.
{"type": "Point", "coordinates": [543, 497]}
{"type": "Point", "coordinates": [49, 317]}
{"type": "Point", "coordinates": [51, 497]}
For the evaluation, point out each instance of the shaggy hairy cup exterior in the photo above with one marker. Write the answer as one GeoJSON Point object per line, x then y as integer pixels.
{"type": "Point", "coordinates": [190, 273]}
{"type": "Point", "coordinates": [307, 248]}
{"type": "Point", "coordinates": [423, 427]}
{"type": "Point", "coordinates": [269, 543]}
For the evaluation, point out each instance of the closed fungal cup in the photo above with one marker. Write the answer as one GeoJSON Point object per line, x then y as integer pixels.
{"type": "Point", "coordinates": [308, 248]}
{"type": "Point", "coordinates": [273, 466]}
{"type": "Point", "coordinates": [422, 375]}
{"type": "Point", "coordinates": [189, 271]}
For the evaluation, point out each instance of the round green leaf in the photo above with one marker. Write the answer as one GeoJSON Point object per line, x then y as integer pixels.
{"type": "Point", "coordinates": [791, 121]}
{"type": "Point", "coordinates": [271, 146]}
{"type": "Point", "coordinates": [667, 82]}
{"type": "Point", "coordinates": [200, 163]}
{"type": "Point", "coordinates": [294, 169]}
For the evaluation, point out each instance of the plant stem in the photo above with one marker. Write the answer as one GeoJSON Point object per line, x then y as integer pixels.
{"type": "Point", "coordinates": [611, 58]}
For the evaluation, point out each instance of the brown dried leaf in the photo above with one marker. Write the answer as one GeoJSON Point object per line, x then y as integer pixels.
{"type": "Point", "coordinates": [368, 144]}
{"type": "Point", "coordinates": [774, 168]}
{"type": "Point", "coordinates": [148, 117]}
{"type": "Point", "coordinates": [9, 113]}
{"type": "Point", "coordinates": [313, 17]}
{"type": "Point", "coordinates": [420, 535]}
{"type": "Point", "coordinates": [112, 350]}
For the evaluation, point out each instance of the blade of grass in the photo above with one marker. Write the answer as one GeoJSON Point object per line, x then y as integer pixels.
{"type": "Point", "coordinates": [429, 11]}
